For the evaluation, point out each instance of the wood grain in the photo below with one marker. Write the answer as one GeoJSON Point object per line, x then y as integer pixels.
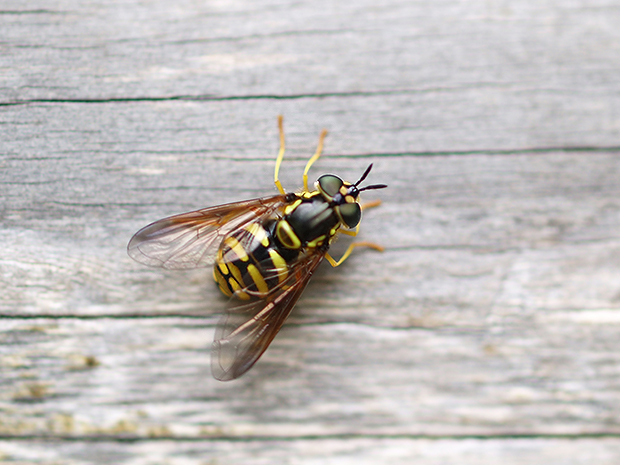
{"type": "Point", "coordinates": [486, 332]}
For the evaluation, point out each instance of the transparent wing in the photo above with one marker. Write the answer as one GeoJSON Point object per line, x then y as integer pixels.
{"type": "Point", "coordinates": [248, 327]}
{"type": "Point", "coordinates": [190, 240]}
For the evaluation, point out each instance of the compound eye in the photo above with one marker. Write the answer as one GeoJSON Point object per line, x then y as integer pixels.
{"type": "Point", "coordinates": [350, 214]}
{"type": "Point", "coordinates": [329, 185]}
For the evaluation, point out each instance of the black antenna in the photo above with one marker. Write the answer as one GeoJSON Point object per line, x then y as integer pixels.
{"type": "Point", "coordinates": [363, 175]}
{"type": "Point", "coordinates": [374, 186]}
{"type": "Point", "coordinates": [367, 188]}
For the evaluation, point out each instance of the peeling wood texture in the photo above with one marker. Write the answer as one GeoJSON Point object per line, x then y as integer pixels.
{"type": "Point", "coordinates": [488, 331]}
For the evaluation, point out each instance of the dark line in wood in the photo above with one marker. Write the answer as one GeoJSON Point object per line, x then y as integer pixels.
{"type": "Point", "coordinates": [520, 151]}
{"type": "Point", "coordinates": [113, 316]}
{"type": "Point", "coordinates": [97, 205]}
{"type": "Point", "coordinates": [210, 320]}
{"type": "Point", "coordinates": [196, 315]}
{"type": "Point", "coordinates": [516, 151]}
{"type": "Point", "coordinates": [259, 36]}
{"type": "Point", "coordinates": [31, 12]}
{"type": "Point", "coordinates": [214, 98]}
{"type": "Point", "coordinates": [214, 316]}
{"type": "Point", "coordinates": [200, 314]}
{"type": "Point", "coordinates": [258, 438]}
{"type": "Point", "coordinates": [205, 40]}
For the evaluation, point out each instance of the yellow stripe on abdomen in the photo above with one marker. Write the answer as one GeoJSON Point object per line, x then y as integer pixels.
{"type": "Point", "coordinates": [258, 279]}
{"type": "Point", "coordinates": [236, 247]}
{"type": "Point", "coordinates": [279, 264]}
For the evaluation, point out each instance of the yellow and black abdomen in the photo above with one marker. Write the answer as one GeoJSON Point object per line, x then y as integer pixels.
{"type": "Point", "coordinates": [257, 258]}
{"type": "Point", "coordinates": [250, 263]}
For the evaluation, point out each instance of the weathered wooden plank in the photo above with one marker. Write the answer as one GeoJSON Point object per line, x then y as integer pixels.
{"type": "Point", "coordinates": [527, 75]}
{"type": "Point", "coordinates": [345, 451]}
{"type": "Point", "coordinates": [555, 372]}
{"type": "Point", "coordinates": [493, 311]}
{"type": "Point", "coordinates": [132, 49]}
{"type": "Point", "coordinates": [535, 222]}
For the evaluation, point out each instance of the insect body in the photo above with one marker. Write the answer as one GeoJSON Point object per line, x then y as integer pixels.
{"type": "Point", "coordinates": [263, 253]}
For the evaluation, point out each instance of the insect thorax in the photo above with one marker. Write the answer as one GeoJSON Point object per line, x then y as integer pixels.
{"type": "Point", "coordinates": [308, 222]}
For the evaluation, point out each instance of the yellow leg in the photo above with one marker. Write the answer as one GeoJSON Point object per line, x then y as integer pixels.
{"type": "Point", "coordinates": [335, 263]}
{"type": "Point", "coordinates": [280, 156]}
{"type": "Point", "coordinates": [314, 158]}
{"type": "Point", "coordinates": [372, 204]}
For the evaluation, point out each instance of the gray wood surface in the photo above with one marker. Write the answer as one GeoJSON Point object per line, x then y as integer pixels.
{"type": "Point", "coordinates": [488, 331]}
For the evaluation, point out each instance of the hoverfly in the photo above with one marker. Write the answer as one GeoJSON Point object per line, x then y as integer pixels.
{"type": "Point", "coordinates": [263, 252]}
